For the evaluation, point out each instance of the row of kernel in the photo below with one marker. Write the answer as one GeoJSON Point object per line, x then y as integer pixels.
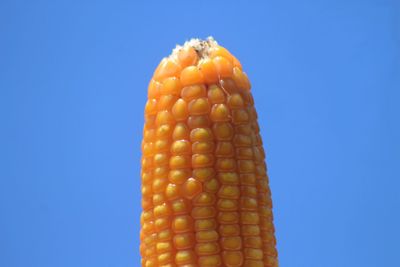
{"type": "Point", "coordinates": [203, 212]}
{"type": "Point", "coordinates": [179, 181]}
{"type": "Point", "coordinates": [264, 194]}
{"type": "Point", "coordinates": [182, 186]}
{"type": "Point", "coordinates": [228, 193]}
{"type": "Point", "coordinates": [147, 235]}
{"type": "Point", "coordinates": [165, 125]}
{"type": "Point", "coordinates": [249, 217]}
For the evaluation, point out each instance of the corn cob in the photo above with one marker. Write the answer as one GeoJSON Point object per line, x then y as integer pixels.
{"type": "Point", "coordinates": [205, 194]}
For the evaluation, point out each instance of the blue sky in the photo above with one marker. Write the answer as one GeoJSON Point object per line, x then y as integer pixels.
{"type": "Point", "coordinates": [73, 79]}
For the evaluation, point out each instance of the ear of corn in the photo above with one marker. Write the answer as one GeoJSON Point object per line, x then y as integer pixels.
{"type": "Point", "coordinates": [205, 194]}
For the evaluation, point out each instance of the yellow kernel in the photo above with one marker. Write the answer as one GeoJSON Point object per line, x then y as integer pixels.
{"type": "Point", "coordinates": [229, 191]}
{"type": "Point", "coordinates": [235, 101]}
{"type": "Point", "coordinates": [189, 93]}
{"type": "Point", "coordinates": [228, 217]}
{"type": "Point", "coordinates": [253, 253]}
{"type": "Point", "coordinates": [202, 160]}
{"type": "Point", "coordinates": [147, 177]}
{"type": "Point", "coordinates": [171, 86]}
{"type": "Point", "coordinates": [164, 258]}
{"type": "Point", "coordinates": [147, 163]}
{"type": "Point", "coordinates": [164, 117]}
{"type": "Point", "coordinates": [191, 75]}
{"type": "Point", "coordinates": [250, 230]}
{"type": "Point", "coordinates": [172, 191]}
{"type": "Point", "coordinates": [252, 242]}
{"type": "Point", "coordinates": [248, 191]}
{"type": "Point", "coordinates": [151, 107]}
{"type": "Point", "coordinates": [203, 212]}
{"type": "Point", "coordinates": [184, 241]}
{"type": "Point", "coordinates": [244, 129]}
{"type": "Point", "coordinates": [154, 89]}
{"type": "Point", "coordinates": [161, 145]}
{"type": "Point", "coordinates": [181, 206]}
{"type": "Point", "coordinates": [201, 134]}
{"type": "Point", "coordinates": [239, 78]}
{"type": "Point", "coordinates": [209, 71]}
{"type": "Point", "coordinates": [270, 250]}
{"type": "Point", "coordinates": [182, 223]}
{"type": "Point", "coordinates": [228, 178]}
{"type": "Point", "coordinates": [240, 116]}
{"type": "Point", "coordinates": [225, 164]}
{"type": "Point", "coordinates": [228, 85]}
{"type": "Point", "coordinates": [150, 240]}
{"type": "Point", "coordinates": [206, 236]}
{"type": "Point", "coordinates": [229, 230]}
{"type": "Point", "coordinates": [159, 185]}
{"type": "Point", "coordinates": [248, 203]}
{"type": "Point", "coordinates": [181, 131]}
{"type": "Point", "coordinates": [146, 203]}
{"type": "Point", "coordinates": [180, 110]}
{"type": "Point", "coordinates": [227, 204]}
{"type": "Point", "coordinates": [191, 188]}
{"type": "Point", "coordinates": [203, 174]}
{"type": "Point", "coordinates": [204, 199]}
{"type": "Point", "coordinates": [162, 211]}
{"type": "Point", "coordinates": [166, 102]}
{"type": "Point", "coordinates": [199, 106]}
{"type": "Point", "coordinates": [241, 140]}
{"type": "Point", "coordinates": [160, 172]}
{"type": "Point", "coordinates": [147, 148]}
{"type": "Point", "coordinates": [146, 190]}
{"type": "Point", "coordinates": [224, 149]}
{"type": "Point", "coordinates": [246, 166]}
{"type": "Point", "coordinates": [164, 235]}
{"type": "Point", "coordinates": [202, 147]}
{"type": "Point", "coordinates": [158, 199]}
{"type": "Point", "coordinates": [223, 66]}
{"type": "Point", "coordinates": [231, 243]}
{"type": "Point", "coordinates": [167, 68]}
{"type": "Point", "coordinates": [148, 227]}
{"type": "Point", "coordinates": [161, 224]}
{"type": "Point", "coordinates": [185, 256]}
{"type": "Point", "coordinates": [164, 246]}
{"type": "Point", "coordinates": [160, 159]}
{"type": "Point", "coordinates": [149, 135]}
{"type": "Point", "coordinates": [187, 56]}
{"type": "Point", "coordinates": [203, 249]}
{"type": "Point", "coordinates": [180, 147]}
{"type": "Point", "coordinates": [232, 258]}
{"type": "Point", "coordinates": [246, 81]}
{"type": "Point", "coordinates": [216, 95]}
{"type": "Point", "coordinates": [150, 263]}
{"type": "Point", "coordinates": [164, 131]}
{"type": "Point", "coordinates": [179, 176]}
{"type": "Point", "coordinates": [220, 112]}
{"type": "Point", "coordinates": [211, 185]}
{"type": "Point", "coordinates": [205, 224]}
{"type": "Point", "coordinates": [223, 131]}
{"type": "Point", "coordinates": [221, 51]}
{"type": "Point", "coordinates": [244, 153]}
{"type": "Point", "coordinates": [202, 121]}
{"type": "Point", "coordinates": [179, 162]}
{"type": "Point", "coordinates": [210, 261]}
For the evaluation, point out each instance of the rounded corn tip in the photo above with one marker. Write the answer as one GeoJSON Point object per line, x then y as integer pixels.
{"type": "Point", "coordinates": [201, 46]}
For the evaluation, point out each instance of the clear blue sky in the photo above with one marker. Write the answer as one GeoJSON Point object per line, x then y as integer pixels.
{"type": "Point", "coordinates": [73, 79]}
